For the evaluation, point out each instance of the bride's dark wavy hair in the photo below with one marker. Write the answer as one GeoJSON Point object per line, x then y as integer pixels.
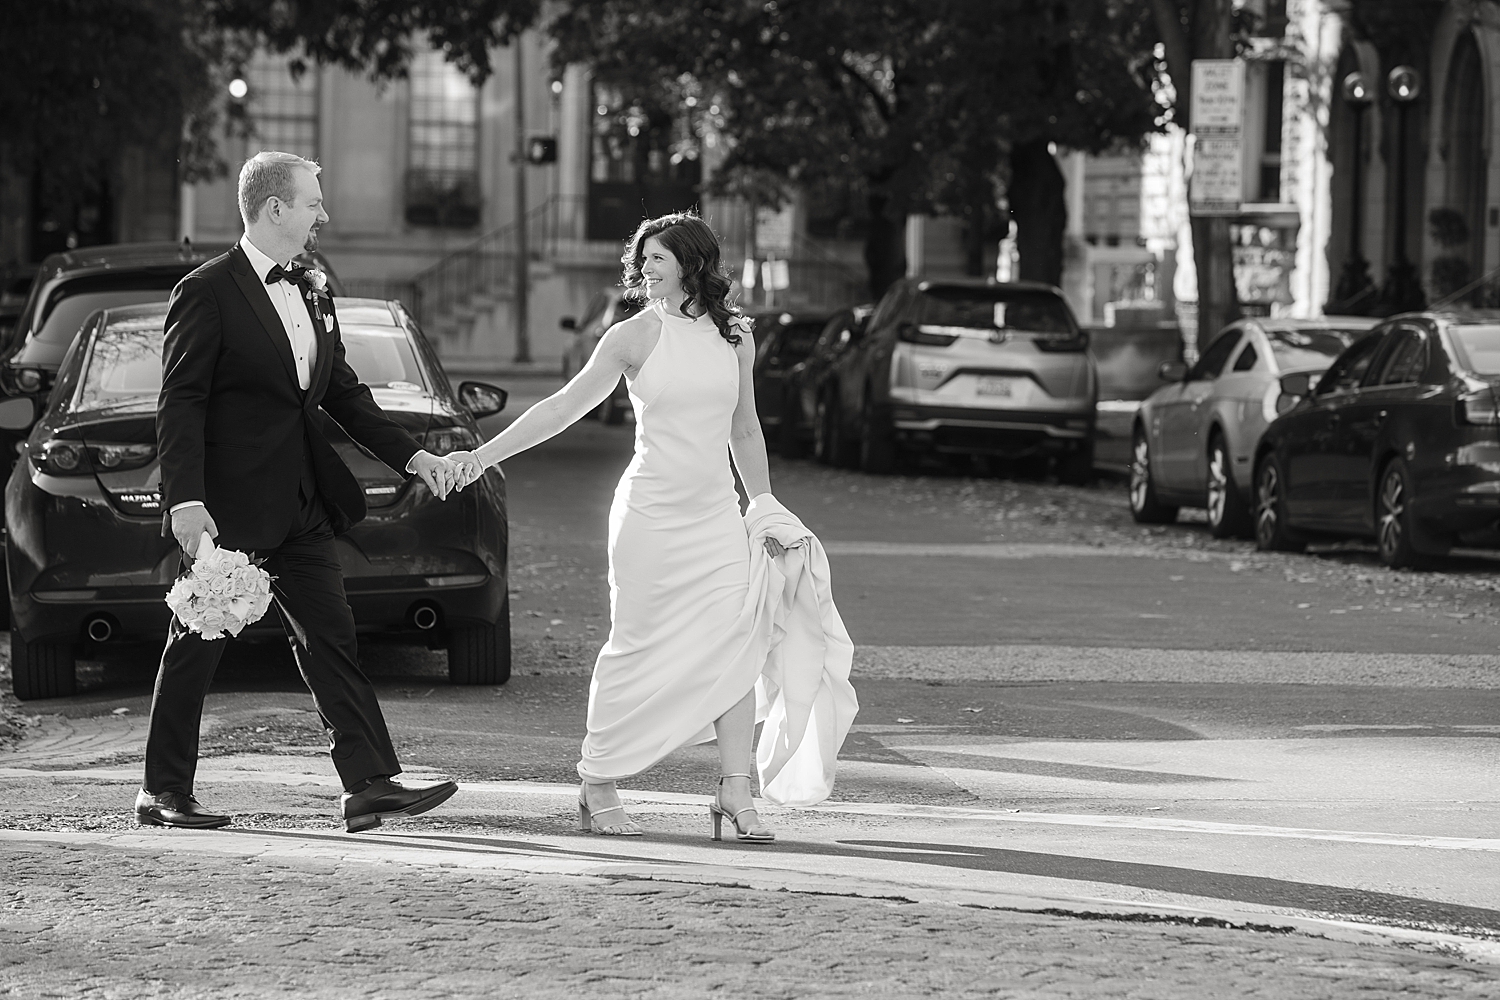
{"type": "Point", "coordinates": [697, 251]}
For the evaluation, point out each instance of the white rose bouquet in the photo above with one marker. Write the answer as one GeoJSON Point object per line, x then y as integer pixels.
{"type": "Point", "coordinates": [221, 594]}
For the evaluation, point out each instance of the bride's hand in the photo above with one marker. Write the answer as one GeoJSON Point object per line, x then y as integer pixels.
{"type": "Point", "coordinates": [774, 547]}
{"type": "Point", "coordinates": [467, 467]}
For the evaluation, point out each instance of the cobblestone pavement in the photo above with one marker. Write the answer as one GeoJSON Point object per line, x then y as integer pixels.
{"type": "Point", "coordinates": [86, 922]}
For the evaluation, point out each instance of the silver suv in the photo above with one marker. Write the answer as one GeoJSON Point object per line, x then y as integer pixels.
{"type": "Point", "coordinates": [969, 367]}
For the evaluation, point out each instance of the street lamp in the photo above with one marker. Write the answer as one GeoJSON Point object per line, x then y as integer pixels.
{"type": "Point", "coordinates": [1403, 288]}
{"type": "Point", "coordinates": [1354, 281]}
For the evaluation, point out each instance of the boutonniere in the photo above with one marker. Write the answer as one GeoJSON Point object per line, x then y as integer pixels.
{"type": "Point", "coordinates": [317, 291]}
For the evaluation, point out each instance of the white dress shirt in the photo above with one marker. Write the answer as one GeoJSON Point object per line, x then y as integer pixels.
{"type": "Point", "coordinates": [286, 296]}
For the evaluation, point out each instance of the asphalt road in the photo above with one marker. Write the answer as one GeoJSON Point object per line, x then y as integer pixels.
{"type": "Point", "coordinates": [1054, 701]}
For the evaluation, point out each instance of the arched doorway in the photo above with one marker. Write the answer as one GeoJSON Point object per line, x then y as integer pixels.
{"type": "Point", "coordinates": [1458, 227]}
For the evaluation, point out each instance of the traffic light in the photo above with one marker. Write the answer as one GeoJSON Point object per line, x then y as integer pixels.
{"type": "Point", "coordinates": [541, 149]}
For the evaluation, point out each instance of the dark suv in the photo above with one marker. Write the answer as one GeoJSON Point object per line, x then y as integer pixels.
{"type": "Point", "coordinates": [969, 367]}
{"type": "Point", "coordinates": [68, 289]}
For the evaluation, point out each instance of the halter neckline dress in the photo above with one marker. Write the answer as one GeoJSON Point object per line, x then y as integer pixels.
{"type": "Point", "coordinates": [682, 647]}
{"type": "Point", "coordinates": [692, 627]}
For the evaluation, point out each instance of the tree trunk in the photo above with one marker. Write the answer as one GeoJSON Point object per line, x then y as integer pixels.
{"type": "Point", "coordinates": [1207, 34]}
{"type": "Point", "coordinates": [885, 245]}
{"type": "Point", "coordinates": [1218, 305]}
{"type": "Point", "coordinates": [1037, 196]}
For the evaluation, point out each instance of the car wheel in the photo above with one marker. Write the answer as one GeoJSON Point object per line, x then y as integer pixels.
{"type": "Point", "coordinates": [1145, 507]}
{"type": "Point", "coordinates": [1272, 533]}
{"type": "Point", "coordinates": [791, 443]}
{"type": "Point", "coordinates": [1393, 519]}
{"type": "Point", "coordinates": [1228, 514]}
{"type": "Point", "coordinates": [1077, 468]}
{"type": "Point", "coordinates": [878, 451]}
{"type": "Point", "coordinates": [41, 669]}
{"type": "Point", "coordinates": [480, 654]}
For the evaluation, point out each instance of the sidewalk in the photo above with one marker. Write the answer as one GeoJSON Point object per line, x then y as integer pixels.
{"type": "Point", "coordinates": [494, 895]}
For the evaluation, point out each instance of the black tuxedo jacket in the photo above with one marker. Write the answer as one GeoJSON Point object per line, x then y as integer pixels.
{"type": "Point", "coordinates": [233, 426]}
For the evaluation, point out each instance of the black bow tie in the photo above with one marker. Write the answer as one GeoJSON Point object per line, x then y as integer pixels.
{"type": "Point", "coordinates": [277, 273]}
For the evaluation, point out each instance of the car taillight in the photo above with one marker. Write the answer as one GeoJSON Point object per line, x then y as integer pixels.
{"type": "Point", "coordinates": [932, 336]}
{"type": "Point", "coordinates": [442, 440]}
{"type": "Point", "coordinates": [119, 457]}
{"type": "Point", "coordinates": [1071, 342]}
{"type": "Point", "coordinates": [1479, 408]}
{"type": "Point", "coordinates": [61, 457]}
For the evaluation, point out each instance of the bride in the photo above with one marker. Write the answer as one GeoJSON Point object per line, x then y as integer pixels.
{"type": "Point", "coordinates": [690, 632]}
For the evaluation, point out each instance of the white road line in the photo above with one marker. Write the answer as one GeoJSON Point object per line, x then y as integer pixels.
{"type": "Point", "coordinates": [1014, 550]}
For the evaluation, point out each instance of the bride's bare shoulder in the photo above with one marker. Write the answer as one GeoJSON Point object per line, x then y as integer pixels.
{"type": "Point", "coordinates": [632, 339]}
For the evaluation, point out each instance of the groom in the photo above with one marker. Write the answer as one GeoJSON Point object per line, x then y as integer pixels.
{"type": "Point", "coordinates": [252, 351]}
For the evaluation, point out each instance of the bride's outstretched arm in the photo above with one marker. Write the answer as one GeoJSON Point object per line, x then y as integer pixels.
{"type": "Point", "coordinates": [615, 355]}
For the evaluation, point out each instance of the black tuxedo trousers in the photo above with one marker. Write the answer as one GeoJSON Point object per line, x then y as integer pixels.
{"type": "Point", "coordinates": [308, 595]}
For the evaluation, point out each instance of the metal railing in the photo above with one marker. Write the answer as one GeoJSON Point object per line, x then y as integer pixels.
{"type": "Point", "coordinates": [488, 265]}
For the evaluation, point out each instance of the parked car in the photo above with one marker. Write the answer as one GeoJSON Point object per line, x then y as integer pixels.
{"type": "Point", "coordinates": [86, 560]}
{"type": "Point", "coordinates": [1399, 440]}
{"type": "Point", "coordinates": [604, 310]}
{"type": "Point", "coordinates": [69, 287]}
{"type": "Point", "coordinates": [967, 367]}
{"type": "Point", "coordinates": [1193, 441]}
{"type": "Point", "coordinates": [782, 341]}
{"type": "Point", "coordinates": [802, 419]}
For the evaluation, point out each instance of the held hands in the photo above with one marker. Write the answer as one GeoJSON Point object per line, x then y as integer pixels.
{"type": "Point", "coordinates": [468, 466]}
{"type": "Point", "coordinates": [188, 527]}
{"type": "Point", "coordinates": [440, 474]}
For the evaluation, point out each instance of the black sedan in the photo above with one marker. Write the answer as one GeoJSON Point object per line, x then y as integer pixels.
{"type": "Point", "coordinates": [1398, 441]}
{"type": "Point", "coordinates": [782, 340]}
{"type": "Point", "coordinates": [86, 560]}
{"type": "Point", "coordinates": [801, 419]}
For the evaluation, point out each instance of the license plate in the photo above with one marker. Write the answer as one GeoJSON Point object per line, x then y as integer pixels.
{"type": "Point", "coordinates": [994, 387]}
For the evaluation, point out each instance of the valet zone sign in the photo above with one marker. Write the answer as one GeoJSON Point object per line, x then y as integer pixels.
{"type": "Point", "coordinates": [1215, 120]}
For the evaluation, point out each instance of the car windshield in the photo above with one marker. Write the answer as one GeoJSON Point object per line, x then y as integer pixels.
{"type": "Point", "coordinates": [1481, 347]}
{"type": "Point", "coordinates": [382, 357]}
{"type": "Point", "coordinates": [987, 309]}
{"type": "Point", "coordinates": [123, 368]}
{"type": "Point", "coordinates": [1309, 348]}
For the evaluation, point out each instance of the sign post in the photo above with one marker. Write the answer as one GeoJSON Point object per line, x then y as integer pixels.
{"type": "Point", "coordinates": [1217, 184]}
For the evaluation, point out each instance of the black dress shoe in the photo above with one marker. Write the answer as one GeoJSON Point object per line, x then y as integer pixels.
{"type": "Point", "coordinates": [175, 809]}
{"type": "Point", "coordinates": [384, 798]}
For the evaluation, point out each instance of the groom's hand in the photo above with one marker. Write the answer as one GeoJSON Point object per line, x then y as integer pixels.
{"type": "Point", "coordinates": [439, 474]}
{"type": "Point", "coordinates": [188, 526]}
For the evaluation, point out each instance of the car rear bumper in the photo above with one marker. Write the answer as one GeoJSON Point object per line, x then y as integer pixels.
{"type": "Point", "coordinates": [985, 431]}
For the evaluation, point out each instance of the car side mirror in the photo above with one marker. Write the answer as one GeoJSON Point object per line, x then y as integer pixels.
{"type": "Point", "coordinates": [1298, 383]}
{"type": "Point", "coordinates": [568, 323]}
{"type": "Point", "coordinates": [482, 399]}
{"type": "Point", "coordinates": [17, 413]}
{"type": "Point", "coordinates": [1171, 371]}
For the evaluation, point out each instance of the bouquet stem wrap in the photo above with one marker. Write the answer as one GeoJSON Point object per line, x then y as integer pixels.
{"type": "Point", "coordinates": [222, 593]}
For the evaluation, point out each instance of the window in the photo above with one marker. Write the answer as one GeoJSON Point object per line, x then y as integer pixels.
{"type": "Point", "coordinates": [283, 109]}
{"type": "Point", "coordinates": [1349, 370]}
{"type": "Point", "coordinates": [1406, 361]}
{"type": "Point", "coordinates": [644, 160]}
{"type": "Point", "coordinates": [442, 177]}
{"type": "Point", "coordinates": [1247, 359]}
{"type": "Point", "coordinates": [1212, 363]}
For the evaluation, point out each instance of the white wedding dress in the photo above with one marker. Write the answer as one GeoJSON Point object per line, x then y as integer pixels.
{"type": "Point", "coordinates": [688, 637]}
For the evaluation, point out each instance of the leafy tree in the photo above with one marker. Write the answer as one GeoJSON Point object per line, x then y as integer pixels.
{"type": "Point", "coordinates": [920, 105]}
{"type": "Point", "coordinates": [376, 37]}
{"type": "Point", "coordinates": [83, 80]}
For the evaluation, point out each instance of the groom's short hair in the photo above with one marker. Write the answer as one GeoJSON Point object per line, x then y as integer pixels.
{"type": "Point", "coordinates": [268, 174]}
